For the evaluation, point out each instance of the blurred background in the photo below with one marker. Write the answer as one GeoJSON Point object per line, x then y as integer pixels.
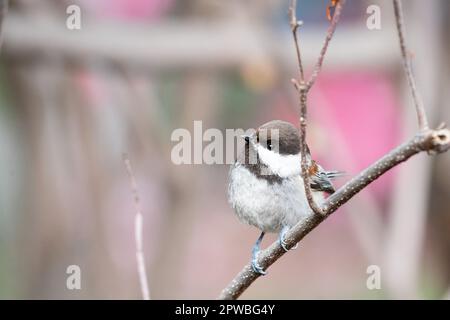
{"type": "Point", "coordinates": [72, 101]}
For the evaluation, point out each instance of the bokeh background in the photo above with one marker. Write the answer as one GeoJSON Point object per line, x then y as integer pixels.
{"type": "Point", "coordinates": [72, 101]}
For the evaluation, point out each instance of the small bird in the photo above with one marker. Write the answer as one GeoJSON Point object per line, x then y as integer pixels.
{"type": "Point", "coordinates": [265, 187]}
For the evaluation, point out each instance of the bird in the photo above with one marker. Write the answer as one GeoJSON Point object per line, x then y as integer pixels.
{"type": "Point", "coordinates": [265, 187]}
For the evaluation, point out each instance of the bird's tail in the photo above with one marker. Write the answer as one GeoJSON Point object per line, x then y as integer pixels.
{"type": "Point", "coordinates": [321, 180]}
{"type": "Point", "coordinates": [335, 174]}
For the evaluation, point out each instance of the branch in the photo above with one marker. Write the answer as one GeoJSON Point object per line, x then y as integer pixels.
{"type": "Point", "coordinates": [140, 258]}
{"type": "Point", "coordinates": [431, 141]}
{"type": "Point", "coordinates": [294, 23]}
{"type": "Point", "coordinates": [330, 33]}
{"type": "Point", "coordinates": [303, 94]}
{"type": "Point", "coordinates": [302, 89]}
{"type": "Point", "coordinates": [3, 11]}
{"type": "Point", "coordinates": [406, 57]}
{"type": "Point", "coordinates": [304, 151]}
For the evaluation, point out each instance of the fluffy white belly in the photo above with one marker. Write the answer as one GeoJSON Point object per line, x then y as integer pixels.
{"type": "Point", "coordinates": [267, 206]}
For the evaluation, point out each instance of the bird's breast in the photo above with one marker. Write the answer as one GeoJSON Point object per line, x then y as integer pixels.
{"type": "Point", "coordinates": [267, 206]}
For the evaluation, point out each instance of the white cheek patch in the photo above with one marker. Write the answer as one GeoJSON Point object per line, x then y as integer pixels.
{"type": "Point", "coordinates": [282, 165]}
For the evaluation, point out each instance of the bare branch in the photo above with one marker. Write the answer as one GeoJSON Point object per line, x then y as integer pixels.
{"type": "Point", "coordinates": [304, 151]}
{"type": "Point", "coordinates": [407, 65]}
{"type": "Point", "coordinates": [294, 23]}
{"type": "Point", "coordinates": [301, 88]}
{"type": "Point", "coordinates": [3, 10]}
{"type": "Point", "coordinates": [330, 33]}
{"type": "Point", "coordinates": [432, 141]}
{"type": "Point", "coordinates": [303, 94]}
{"type": "Point", "coordinates": [140, 258]}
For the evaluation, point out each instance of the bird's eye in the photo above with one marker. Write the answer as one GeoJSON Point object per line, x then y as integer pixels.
{"type": "Point", "coordinates": [269, 144]}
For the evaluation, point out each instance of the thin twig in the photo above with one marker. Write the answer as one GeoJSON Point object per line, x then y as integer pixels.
{"type": "Point", "coordinates": [303, 94]}
{"type": "Point", "coordinates": [3, 11]}
{"type": "Point", "coordinates": [432, 141]}
{"type": "Point", "coordinates": [407, 65]}
{"type": "Point", "coordinates": [304, 151]}
{"type": "Point", "coordinates": [301, 88]}
{"type": "Point", "coordinates": [294, 23]}
{"type": "Point", "coordinates": [140, 258]}
{"type": "Point", "coordinates": [330, 33]}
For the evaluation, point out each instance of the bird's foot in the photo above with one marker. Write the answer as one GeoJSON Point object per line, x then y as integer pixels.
{"type": "Point", "coordinates": [255, 253]}
{"type": "Point", "coordinates": [257, 268]}
{"type": "Point", "coordinates": [282, 239]}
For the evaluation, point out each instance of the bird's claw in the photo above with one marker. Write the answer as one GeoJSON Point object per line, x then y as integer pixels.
{"type": "Point", "coordinates": [257, 268]}
{"type": "Point", "coordinates": [255, 253]}
{"type": "Point", "coordinates": [282, 240]}
{"type": "Point", "coordinates": [283, 244]}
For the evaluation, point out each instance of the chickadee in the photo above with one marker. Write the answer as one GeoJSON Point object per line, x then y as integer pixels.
{"type": "Point", "coordinates": [265, 185]}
